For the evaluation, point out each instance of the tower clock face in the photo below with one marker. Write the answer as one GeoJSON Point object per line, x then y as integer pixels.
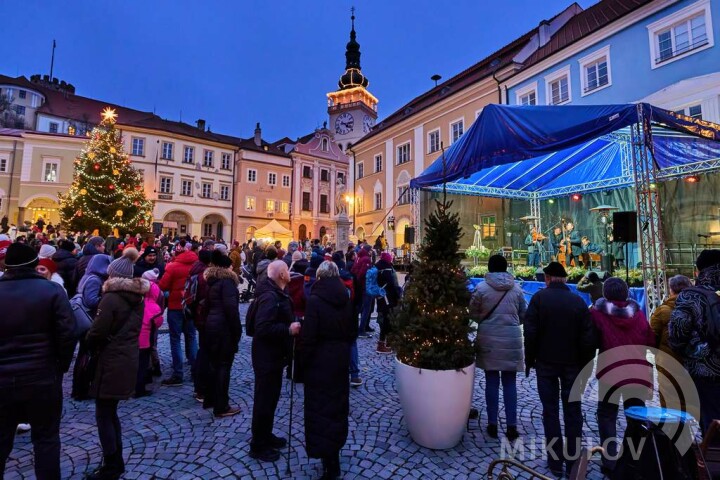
{"type": "Point", "coordinates": [344, 124]}
{"type": "Point", "coordinates": [367, 123]}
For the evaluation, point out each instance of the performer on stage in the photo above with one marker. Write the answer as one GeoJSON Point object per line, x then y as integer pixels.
{"type": "Point", "coordinates": [533, 242]}
{"type": "Point", "coordinates": [587, 248]}
{"type": "Point", "coordinates": [572, 241]}
{"type": "Point", "coordinates": [556, 241]}
{"type": "Point", "coordinates": [616, 248]}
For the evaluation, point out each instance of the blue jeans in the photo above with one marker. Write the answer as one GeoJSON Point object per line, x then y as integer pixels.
{"type": "Point", "coordinates": [178, 325]}
{"type": "Point", "coordinates": [354, 360]}
{"type": "Point", "coordinates": [492, 396]}
{"type": "Point", "coordinates": [533, 259]}
{"type": "Point", "coordinates": [554, 383]}
{"type": "Point", "coordinates": [368, 305]}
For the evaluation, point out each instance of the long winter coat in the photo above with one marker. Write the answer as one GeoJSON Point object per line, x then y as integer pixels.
{"type": "Point", "coordinates": [66, 263]}
{"type": "Point", "coordinates": [37, 337]}
{"type": "Point", "coordinates": [387, 279]}
{"type": "Point", "coordinates": [327, 334]}
{"type": "Point", "coordinates": [90, 286]}
{"type": "Point", "coordinates": [222, 326]}
{"type": "Point", "coordinates": [659, 322]}
{"type": "Point", "coordinates": [499, 337]}
{"type": "Point", "coordinates": [271, 343]}
{"type": "Point", "coordinates": [176, 272]}
{"type": "Point", "coordinates": [113, 337]}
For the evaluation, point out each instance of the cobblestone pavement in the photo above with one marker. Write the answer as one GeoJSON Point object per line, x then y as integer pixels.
{"type": "Point", "coordinates": [169, 435]}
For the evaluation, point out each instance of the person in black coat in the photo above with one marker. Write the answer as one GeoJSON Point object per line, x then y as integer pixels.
{"type": "Point", "coordinates": [113, 337]}
{"type": "Point", "coordinates": [66, 261]}
{"type": "Point", "coordinates": [222, 331]}
{"type": "Point", "coordinates": [149, 260]}
{"type": "Point", "coordinates": [559, 340]}
{"type": "Point", "coordinates": [327, 335]}
{"type": "Point", "coordinates": [37, 341]}
{"type": "Point", "coordinates": [271, 350]}
{"type": "Point", "coordinates": [387, 279]}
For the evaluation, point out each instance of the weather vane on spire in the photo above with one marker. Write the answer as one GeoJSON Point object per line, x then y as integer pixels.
{"type": "Point", "coordinates": [352, 16]}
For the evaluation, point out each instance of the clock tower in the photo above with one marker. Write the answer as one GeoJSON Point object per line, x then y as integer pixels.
{"type": "Point", "coordinates": [352, 109]}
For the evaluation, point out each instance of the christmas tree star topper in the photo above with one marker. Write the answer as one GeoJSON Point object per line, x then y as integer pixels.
{"type": "Point", "coordinates": [109, 115]}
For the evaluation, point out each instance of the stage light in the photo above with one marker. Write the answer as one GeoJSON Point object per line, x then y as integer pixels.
{"type": "Point", "coordinates": [692, 179]}
{"type": "Point", "coordinates": [551, 201]}
{"type": "Point", "coordinates": [575, 197]}
{"type": "Point", "coordinates": [653, 186]}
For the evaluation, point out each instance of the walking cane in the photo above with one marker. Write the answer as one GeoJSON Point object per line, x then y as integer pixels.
{"type": "Point", "coordinates": [292, 398]}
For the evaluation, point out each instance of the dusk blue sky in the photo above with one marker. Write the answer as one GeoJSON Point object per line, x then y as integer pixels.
{"type": "Point", "coordinates": [235, 63]}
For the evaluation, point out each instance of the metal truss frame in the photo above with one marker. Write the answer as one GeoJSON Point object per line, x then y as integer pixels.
{"type": "Point", "coordinates": [652, 246]}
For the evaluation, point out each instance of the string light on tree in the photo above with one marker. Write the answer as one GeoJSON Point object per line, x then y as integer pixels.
{"type": "Point", "coordinates": [106, 192]}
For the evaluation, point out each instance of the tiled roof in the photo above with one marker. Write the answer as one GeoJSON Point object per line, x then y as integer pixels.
{"type": "Point", "coordinates": [83, 109]}
{"type": "Point", "coordinates": [20, 82]}
{"type": "Point", "coordinates": [584, 23]}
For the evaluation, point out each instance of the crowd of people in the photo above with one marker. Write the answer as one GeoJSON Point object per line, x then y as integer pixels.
{"type": "Point", "coordinates": [102, 301]}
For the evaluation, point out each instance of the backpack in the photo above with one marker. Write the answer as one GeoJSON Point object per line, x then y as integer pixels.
{"type": "Point", "coordinates": [250, 318]}
{"type": "Point", "coordinates": [189, 296]}
{"type": "Point", "coordinates": [371, 283]}
{"type": "Point", "coordinates": [83, 320]}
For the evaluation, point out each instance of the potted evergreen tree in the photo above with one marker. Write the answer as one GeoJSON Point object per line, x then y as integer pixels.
{"type": "Point", "coordinates": [435, 362]}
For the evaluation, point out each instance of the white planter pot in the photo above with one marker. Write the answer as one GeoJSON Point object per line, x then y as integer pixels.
{"type": "Point", "coordinates": [435, 403]}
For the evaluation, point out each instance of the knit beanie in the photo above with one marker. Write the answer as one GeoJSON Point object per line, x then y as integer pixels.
{"type": "Point", "coordinates": [222, 248]}
{"type": "Point", "coordinates": [615, 289]}
{"type": "Point", "coordinates": [20, 255]}
{"type": "Point", "coordinates": [151, 275]}
{"type": "Point", "coordinates": [219, 259]}
{"type": "Point", "coordinates": [497, 264]}
{"type": "Point", "coordinates": [47, 251]}
{"type": "Point", "coordinates": [205, 256]}
{"type": "Point", "coordinates": [67, 245]}
{"type": "Point", "coordinates": [387, 257]}
{"type": "Point", "coordinates": [96, 241]}
{"type": "Point", "coordinates": [49, 264]}
{"type": "Point", "coordinates": [123, 266]}
{"type": "Point", "coordinates": [707, 258]}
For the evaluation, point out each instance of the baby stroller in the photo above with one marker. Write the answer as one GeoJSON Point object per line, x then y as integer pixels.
{"type": "Point", "coordinates": [249, 292]}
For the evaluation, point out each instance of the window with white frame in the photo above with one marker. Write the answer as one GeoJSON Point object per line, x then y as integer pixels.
{"type": "Point", "coordinates": [595, 71]}
{"type": "Point", "coordinates": [378, 200]}
{"type": "Point", "coordinates": [681, 33]}
{"type": "Point", "coordinates": [34, 100]}
{"type": "Point", "coordinates": [272, 179]}
{"type": "Point", "coordinates": [403, 195]}
{"type": "Point", "coordinates": [186, 188]}
{"type": "Point", "coordinates": [208, 158]}
{"type": "Point", "coordinates": [403, 153]}
{"type": "Point", "coordinates": [269, 205]}
{"type": "Point", "coordinates": [324, 145]}
{"type": "Point", "coordinates": [225, 161]}
{"type": "Point", "coordinates": [527, 95]}
{"type": "Point", "coordinates": [3, 164]}
{"type": "Point", "coordinates": [167, 151]}
{"type": "Point", "coordinates": [286, 181]}
{"type": "Point", "coordinates": [456, 130]}
{"type": "Point", "coordinates": [434, 141]}
{"type": "Point", "coordinates": [251, 175]}
{"type": "Point", "coordinates": [284, 207]}
{"type": "Point", "coordinates": [360, 202]}
{"type": "Point", "coordinates": [51, 169]}
{"type": "Point", "coordinates": [54, 126]}
{"type": "Point", "coordinates": [189, 155]}
{"type": "Point", "coordinates": [360, 170]}
{"type": "Point", "coordinates": [138, 146]}
{"type": "Point", "coordinates": [206, 190]}
{"type": "Point", "coordinates": [250, 204]}
{"type": "Point", "coordinates": [558, 87]}
{"type": "Point", "coordinates": [224, 192]}
{"type": "Point", "coordinates": [165, 184]}
{"type": "Point", "coordinates": [378, 163]}
{"type": "Point", "coordinates": [694, 111]}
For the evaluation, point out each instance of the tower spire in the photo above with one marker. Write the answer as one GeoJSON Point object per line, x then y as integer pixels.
{"type": "Point", "coordinates": [352, 77]}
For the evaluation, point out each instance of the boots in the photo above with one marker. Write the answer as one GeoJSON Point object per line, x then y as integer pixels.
{"type": "Point", "coordinates": [112, 468]}
{"type": "Point", "coordinates": [331, 468]}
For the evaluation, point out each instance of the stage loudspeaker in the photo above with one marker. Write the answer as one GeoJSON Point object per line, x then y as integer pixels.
{"type": "Point", "coordinates": [625, 227]}
{"type": "Point", "coordinates": [410, 235]}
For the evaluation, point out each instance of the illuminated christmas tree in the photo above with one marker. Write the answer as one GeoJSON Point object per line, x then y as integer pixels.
{"type": "Point", "coordinates": [106, 192]}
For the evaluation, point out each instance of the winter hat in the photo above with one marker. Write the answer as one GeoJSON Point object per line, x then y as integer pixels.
{"type": "Point", "coordinates": [222, 248]}
{"type": "Point", "coordinates": [615, 289]}
{"type": "Point", "coordinates": [205, 256]}
{"type": "Point", "coordinates": [151, 275]}
{"type": "Point", "coordinates": [315, 260]}
{"type": "Point", "coordinates": [497, 264]}
{"type": "Point", "coordinates": [338, 257]}
{"type": "Point", "coordinates": [96, 241]}
{"type": "Point", "coordinates": [208, 245]}
{"type": "Point", "coordinates": [387, 257]}
{"type": "Point", "coordinates": [328, 256]}
{"type": "Point", "coordinates": [367, 247]}
{"type": "Point", "coordinates": [219, 259]}
{"type": "Point", "coordinates": [47, 251]}
{"type": "Point", "coordinates": [49, 264]}
{"type": "Point", "coordinates": [707, 258]}
{"type": "Point", "coordinates": [555, 269]}
{"type": "Point", "coordinates": [149, 251]}
{"type": "Point", "coordinates": [123, 266]}
{"type": "Point", "coordinates": [21, 255]}
{"type": "Point", "coordinates": [66, 245]}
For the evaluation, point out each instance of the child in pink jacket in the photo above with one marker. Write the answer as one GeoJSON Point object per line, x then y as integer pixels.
{"type": "Point", "coordinates": [152, 320]}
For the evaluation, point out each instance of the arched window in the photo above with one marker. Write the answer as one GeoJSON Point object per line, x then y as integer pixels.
{"type": "Point", "coordinates": [324, 144]}
{"type": "Point", "coordinates": [322, 232]}
{"type": "Point", "coordinates": [302, 232]}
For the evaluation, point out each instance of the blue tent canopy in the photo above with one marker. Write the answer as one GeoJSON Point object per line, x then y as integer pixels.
{"type": "Point", "coordinates": [540, 152]}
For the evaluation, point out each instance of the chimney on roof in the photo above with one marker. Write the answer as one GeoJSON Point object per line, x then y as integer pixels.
{"type": "Point", "coordinates": [201, 124]}
{"type": "Point", "coordinates": [258, 135]}
{"type": "Point", "coordinates": [544, 32]}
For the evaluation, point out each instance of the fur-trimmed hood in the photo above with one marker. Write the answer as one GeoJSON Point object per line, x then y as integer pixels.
{"type": "Point", "coordinates": [138, 286]}
{"type": "Point", "coordinates": [626, 309]}
{"type": "Point", "coordinates": [213, 274]}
